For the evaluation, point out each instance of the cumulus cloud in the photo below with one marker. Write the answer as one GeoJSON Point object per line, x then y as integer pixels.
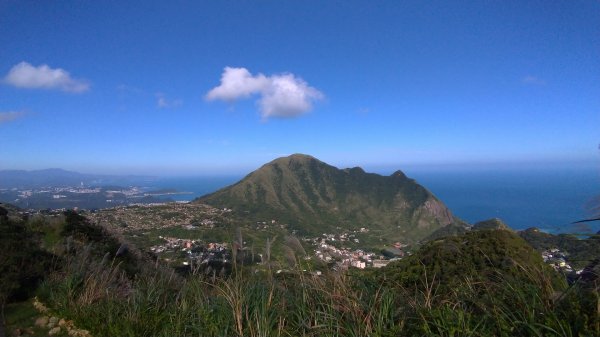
{"type": "Point", "coordinates": [237, 83]}
{"type": "Point", "coordinates": [10, 116]}
{"type": "Point", "coordinates": [534, 80]}
{"type": "Point", "coordinates": [164, 103]}
{"type": "Point", "coordinates": [281, 95]}
{"type": "Point", "coordinates": [24, 75]}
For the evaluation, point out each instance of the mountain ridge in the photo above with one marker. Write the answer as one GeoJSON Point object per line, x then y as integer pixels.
{"type": "Point", "coordinates": [315, 196]}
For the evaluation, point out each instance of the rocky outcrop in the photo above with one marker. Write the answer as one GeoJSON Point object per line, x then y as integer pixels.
{"type": "Point", "coordinates": [54, 324]}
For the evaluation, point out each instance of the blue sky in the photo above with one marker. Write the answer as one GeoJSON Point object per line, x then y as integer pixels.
{"type": "Point", "coordinates": [215, 87]}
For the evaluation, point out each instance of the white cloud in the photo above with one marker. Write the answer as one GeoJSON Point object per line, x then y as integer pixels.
{"type": "Point", "coordinates": [534, 80]}
{"type": "Point", "coordinates": [287, 96]}
{"type": "Point", "coordinates": [237, 83]}
{"type": "Point", "coordinates": [283, 95]}
{"type": "Point", "coordinates": [24, 75]}
{"type": "Point", "coordinates": [10, 116]}
{"type": "Point", "coordinates": [164, 103]}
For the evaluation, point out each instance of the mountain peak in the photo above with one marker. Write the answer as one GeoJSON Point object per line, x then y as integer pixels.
{"type": "Point", "coordinates": [295, 158]}
{"type": "Point", "coordinates": [355, 170]}
{"type": "Point", "coordinates": [399, 174]}
{"type": "Point", "coordinates": [301, 156]}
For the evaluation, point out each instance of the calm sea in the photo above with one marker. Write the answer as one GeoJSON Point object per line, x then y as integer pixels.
{"type": "Point", "coordinates": [550, 199]}
{"type": "Point", "coordinates": [193, 187]}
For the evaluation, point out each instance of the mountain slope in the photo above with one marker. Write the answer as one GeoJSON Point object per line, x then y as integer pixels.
{"type": "Point", "coordinates": [313, 197]}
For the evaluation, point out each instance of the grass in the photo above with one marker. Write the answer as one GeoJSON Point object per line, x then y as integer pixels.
{"type": "Point", "coordinates": [22, 315]}
{"type": "Point", "coordinates": [245, 304]}
{"type": "Point", "coordinates": [503, 294]}
{"type": "Point", "coordinates": [251, 303]}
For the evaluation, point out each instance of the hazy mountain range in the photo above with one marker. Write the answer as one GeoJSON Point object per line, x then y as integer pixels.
{"type": "Point", "coordinates": [58, 177]}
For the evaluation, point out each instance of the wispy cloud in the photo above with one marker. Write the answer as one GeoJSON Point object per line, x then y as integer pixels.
{"type": "Point", "coordinates": [10, 116]}
{"type": "Point", "coordinates": [533, 80]}
{"type": "Point", "coordinates": [24, 75]}
{"type": "Point", "coordinates": [164, 103]}
{"type": "Point", "coordinates": [128, 89]}
{"type": "Point", "coordinates": [280, 95]}
{"type": "Point", "coordinates": [364, 111]}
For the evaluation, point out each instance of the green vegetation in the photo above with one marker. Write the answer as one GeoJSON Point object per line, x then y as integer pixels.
{"type": "Point", "coordinates": [450, 230]}
{"type": "Point", "coordinates": [485, 283]}
{"type": "Point", "coordinates": [494, 223]}
{"type": "Point", "coordinates": [581, 251]}
{"type": "Point", "coordinates": [489, 283]}
{"type": "Point", "coordinates": [480, 256]}
{"type": "Point", "coordinates": [455, 229]}
{"type": "Point", "coordinates": [314, 197]}
{"type": "Point", "coordinates": [22, 263]}
{"type": "Point", "coordinates": [21, 316]}
{"type": "Point", "coordinates": [482, 283]}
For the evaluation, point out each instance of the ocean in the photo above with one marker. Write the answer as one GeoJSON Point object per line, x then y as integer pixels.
{"type": "Point", "coordinates": [550, 199]}
{"type": "Point", "coordinates": [192, 187]}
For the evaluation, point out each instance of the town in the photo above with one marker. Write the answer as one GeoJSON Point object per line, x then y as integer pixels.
{"type": "Point", "coordinates": [557, 259]}
{"type": "Point", "coordinates": [330, 248]}
{"type": "Point", "coordinates": [339, 251]}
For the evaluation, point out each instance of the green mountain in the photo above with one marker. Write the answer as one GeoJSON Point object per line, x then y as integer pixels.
{"type": "Point", "coordinates": [314, 197]}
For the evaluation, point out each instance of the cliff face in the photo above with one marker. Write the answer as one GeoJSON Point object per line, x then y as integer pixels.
{"type": "Point", "coordinates": [439, 211]}
{"type": "Point", "coordinates": [313, 196]}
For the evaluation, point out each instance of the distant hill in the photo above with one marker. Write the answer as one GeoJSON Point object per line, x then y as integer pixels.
{"type": "Point", "coordinates": [494, 223]}
{"type": "Point", "coordinates": [453, 229]}
{"type": "Point", "coordinates": [580, 251]}
{"type": "Point", "coordinates": [37, 178]}
{"type": "Point", "coordinates": [315, 197]}
{"type": "Point", "coordinates": [56, 177]}
{"type": "Point", "coordinates": [457, 229]}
